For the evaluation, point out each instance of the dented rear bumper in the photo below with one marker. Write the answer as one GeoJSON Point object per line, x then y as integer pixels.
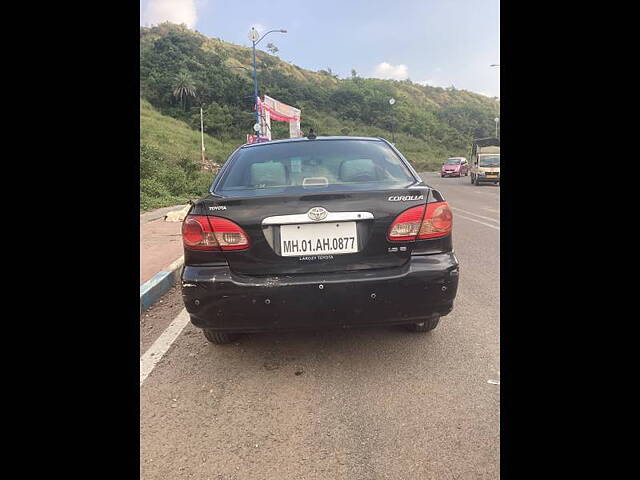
{"type": "Point", "coordinates": [218, 299]}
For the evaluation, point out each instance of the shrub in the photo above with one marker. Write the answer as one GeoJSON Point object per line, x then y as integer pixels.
{"type": "Point", "coordinates": [164, 182]}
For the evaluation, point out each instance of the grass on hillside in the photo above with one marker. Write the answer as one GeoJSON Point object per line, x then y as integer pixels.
{"type": "Point", "coordinates": [171, 169]}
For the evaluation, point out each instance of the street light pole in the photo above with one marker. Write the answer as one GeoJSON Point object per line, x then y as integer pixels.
{"type": "Point", "coordinates": [255, 38]}
{"type": "Point", "coordinates": [255, 83]}
{"type": "Point", "coordinates": [497, 120]}
{"type": "Point", "coordinates": [496, 65]}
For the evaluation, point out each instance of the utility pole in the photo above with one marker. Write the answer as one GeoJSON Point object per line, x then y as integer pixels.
{"type": "Point", "coordinates": [202, 135]}
{"type": "Point", "coordinates": [393, 121]}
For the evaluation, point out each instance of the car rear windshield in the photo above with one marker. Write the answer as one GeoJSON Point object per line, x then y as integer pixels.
{"type": "Point", "coordinates": [489, 160]}
{"type": "Point", "coordinates": [453, 161]}
{"type": "Point", "coordinates": [326, 165]}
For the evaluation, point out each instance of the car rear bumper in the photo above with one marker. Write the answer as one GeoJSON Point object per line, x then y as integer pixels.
{"type": "Point", "coordinates": [218, 299]}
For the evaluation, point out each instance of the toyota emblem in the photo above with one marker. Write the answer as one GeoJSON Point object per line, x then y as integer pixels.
{"type": "Point", "coordinates": [317, 214]}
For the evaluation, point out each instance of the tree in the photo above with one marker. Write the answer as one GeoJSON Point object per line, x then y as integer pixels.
{"type": "Point", "coordinates": [354, 74]}
{"type": "Point", "coordinates": [272, 48]}
{"type": "Point", "coordinates": [217, 120]}
{"type": "Point", "coordinates": [184, 88]}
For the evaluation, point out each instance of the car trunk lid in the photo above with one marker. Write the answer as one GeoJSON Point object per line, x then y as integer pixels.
{"type": "Point", "coordinates": [364, 217]}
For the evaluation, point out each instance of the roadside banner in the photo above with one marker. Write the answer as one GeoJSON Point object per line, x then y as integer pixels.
{"type": "Point", "coordinates": [272, 109]}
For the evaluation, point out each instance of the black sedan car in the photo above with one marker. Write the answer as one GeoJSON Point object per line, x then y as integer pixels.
{"type": "Point", "coordinates": [317, 233]}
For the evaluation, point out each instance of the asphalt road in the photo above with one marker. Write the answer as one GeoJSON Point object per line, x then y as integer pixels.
{"type": "Point", "coordinates": [379, 403]}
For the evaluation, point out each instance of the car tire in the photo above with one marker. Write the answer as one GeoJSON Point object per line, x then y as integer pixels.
{"type": "Point", "coordinates": [426, 326]}
{"type": "Point", "coordinates": [219, 338]}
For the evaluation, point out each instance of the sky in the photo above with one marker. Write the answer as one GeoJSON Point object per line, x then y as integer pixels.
{"type": "Point", "coordinates": [437, 42]}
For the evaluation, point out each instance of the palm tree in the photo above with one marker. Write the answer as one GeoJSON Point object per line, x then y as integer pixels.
{"type": "Point", "coordinates": [184, 88]}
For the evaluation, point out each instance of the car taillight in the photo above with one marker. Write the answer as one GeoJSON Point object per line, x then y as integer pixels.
{"type": "Point", "coordinates": [436, 220]}
{"type": "Point", "coordinates": [229, 234]}
{"type": "Point", "coordinates": [200, 232]}
{"type": "Point", "coordinates": [197, 233]}
{"type": "Point", "coordinates": [406, 226]}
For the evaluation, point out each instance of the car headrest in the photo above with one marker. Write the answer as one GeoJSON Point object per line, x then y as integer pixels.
{"type": "Point", "coordinates": [358, 169]}
{"type": "Point", "coordinates": [268, 173]}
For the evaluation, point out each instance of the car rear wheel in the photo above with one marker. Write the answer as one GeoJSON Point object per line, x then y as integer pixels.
{"type": "Point", "coordinates": [425, 326]}
{"type": "Point", "coordinates": [219, 338]}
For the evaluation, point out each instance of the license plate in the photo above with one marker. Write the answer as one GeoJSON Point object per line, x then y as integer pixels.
{"type": "Point", "coordinates": [335, 238]}
{"type": "Point", "coordinates": [492, 176]}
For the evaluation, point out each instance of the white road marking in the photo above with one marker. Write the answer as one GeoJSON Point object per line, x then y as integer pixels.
{"type": "Point", "coordinates": [477, 221]}
{"type": "Point", "coordinates": [155, 352]}
{"type": "Point", "coordinates": [476, 215]}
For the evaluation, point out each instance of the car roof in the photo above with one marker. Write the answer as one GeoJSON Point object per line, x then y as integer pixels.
{"type": "Point", "coordinates": [305, 139]}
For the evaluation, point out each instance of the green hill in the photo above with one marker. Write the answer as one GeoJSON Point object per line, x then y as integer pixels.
{"type": "Point", "coordinates": [429, 123]}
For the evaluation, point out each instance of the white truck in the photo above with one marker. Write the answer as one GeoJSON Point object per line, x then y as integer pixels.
{"type": "Point", "coordinates": [485, 161]}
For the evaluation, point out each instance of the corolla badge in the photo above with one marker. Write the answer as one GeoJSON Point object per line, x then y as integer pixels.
{"type": "Point", "coordinates": [317, 214]}
{"type": "Point", "coordinates": [405, 198]}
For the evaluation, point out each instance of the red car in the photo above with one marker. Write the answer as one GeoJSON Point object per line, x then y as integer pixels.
{"type": "Point", "coordinates": [455, 167]}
